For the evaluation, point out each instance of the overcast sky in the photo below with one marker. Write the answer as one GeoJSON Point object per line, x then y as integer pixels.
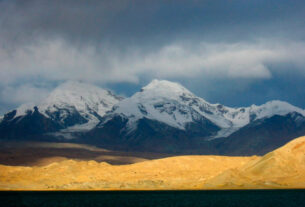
{"type": "Point", "coordinates": [234, 52]}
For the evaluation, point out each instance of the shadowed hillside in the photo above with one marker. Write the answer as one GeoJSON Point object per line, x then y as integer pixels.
{"type": "Point", "coordinates": [44, 153]}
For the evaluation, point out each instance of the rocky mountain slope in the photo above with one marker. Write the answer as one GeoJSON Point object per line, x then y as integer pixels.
{"type": "Point", "coordinates": [263, 135]}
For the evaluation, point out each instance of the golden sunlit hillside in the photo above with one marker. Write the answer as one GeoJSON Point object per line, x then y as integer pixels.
{"type": "Point", "coordinates": [282, 168]}
{"type": "Point", "coordinates": [169, 173]}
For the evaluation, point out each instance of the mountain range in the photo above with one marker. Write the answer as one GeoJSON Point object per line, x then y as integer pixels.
{"type": "Point", "coordinates": [162, 117]}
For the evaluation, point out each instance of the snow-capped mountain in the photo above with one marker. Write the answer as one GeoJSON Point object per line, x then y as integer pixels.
{"type": "Point", "coordinates": [166, 117]}
{"type": "Point", "coordinates": [72, 106]}
{"type": "Point", "coordinates": [162, 117]}
{"type": "Point", "coordinates": [174, 105]}
{"type": "Point", "coordinates": [89, 101]}
{"type": "Point", "coordinates": [263, 135]}
{"type": "Point", "coordinates": [166, 102]}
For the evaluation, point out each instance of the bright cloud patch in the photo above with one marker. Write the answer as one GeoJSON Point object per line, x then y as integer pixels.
{"type": "Point", "coordinates": [57, 60]}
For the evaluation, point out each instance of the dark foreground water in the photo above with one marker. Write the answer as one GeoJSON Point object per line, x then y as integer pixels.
{"type": "Point", "coordinates": [228, 198]}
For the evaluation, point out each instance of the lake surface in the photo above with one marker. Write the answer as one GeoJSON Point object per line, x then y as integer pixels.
{"type": "Point", "coordinates": [226, 198]}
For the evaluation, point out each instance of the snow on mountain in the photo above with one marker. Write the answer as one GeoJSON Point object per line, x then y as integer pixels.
{"type": "Point", "coordinates": [160, 100]}
{"type": "Point", "coordinates": [85, 98]}
{"type": "Point", "coordinates": [274, 107]}
{"type": "Point", "coordinates": [79, 106]}
{"type": "Point", "coordinates": [171, 103]}
{"type": "Point", "coordinates": [74, 98]}
{"type": "Point", "coordinates": [24, 109]}
{"type": "Point", "coordinates": [240, 117]}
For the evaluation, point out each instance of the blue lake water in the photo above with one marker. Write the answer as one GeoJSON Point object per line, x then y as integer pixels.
{"type": "Point", "coordinates": [226, 198]}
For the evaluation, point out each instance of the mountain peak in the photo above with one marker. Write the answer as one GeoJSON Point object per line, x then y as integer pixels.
{"type": "Point", "coordinates": [164, 87]}
{"type": "Point", "coordinates": [163, 101]}
{"type": "Point", "coordinates": [271, 108]}
{"type": "Point", "coordinates": [73, 103]}
{"type": "Point", "coordinates": [76, 88]}
{"type": "Point", "coordinates": [156, 83]}
{"type": "Point", "coordinates": [71, 84]}
{"type": "Point", "coordinates": [81, 96]}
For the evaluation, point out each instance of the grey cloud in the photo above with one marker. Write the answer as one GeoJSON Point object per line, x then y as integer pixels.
{"type": "Point", "coordinates": [118, 21]}
{"type": "Point", "coordinates": [118, 41]}
{"type": "Point", "coordinates": [12, 96]}
{"type": "Point", "coordinates": [58, 61]}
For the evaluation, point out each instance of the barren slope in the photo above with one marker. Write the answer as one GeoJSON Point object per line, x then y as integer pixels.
{"type": "Point", "coordinates": [281, 168]}
{"type": "Point", "coordinates": [183, 172]}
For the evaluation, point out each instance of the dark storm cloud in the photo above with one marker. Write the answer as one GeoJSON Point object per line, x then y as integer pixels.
{"type": "Point", "coordinates": [119, 20]}
{"type": "Point", "coordinates": [217, 48]}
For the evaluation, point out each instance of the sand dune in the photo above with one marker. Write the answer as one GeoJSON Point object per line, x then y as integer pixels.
{"type": "Point", "coordinates": [282, 168]}
{"type": "Point", "coordinates": [169, 173]}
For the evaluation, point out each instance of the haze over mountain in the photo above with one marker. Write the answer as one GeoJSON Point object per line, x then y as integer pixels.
{"type": "Point", "coordinates": [162, 117]}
